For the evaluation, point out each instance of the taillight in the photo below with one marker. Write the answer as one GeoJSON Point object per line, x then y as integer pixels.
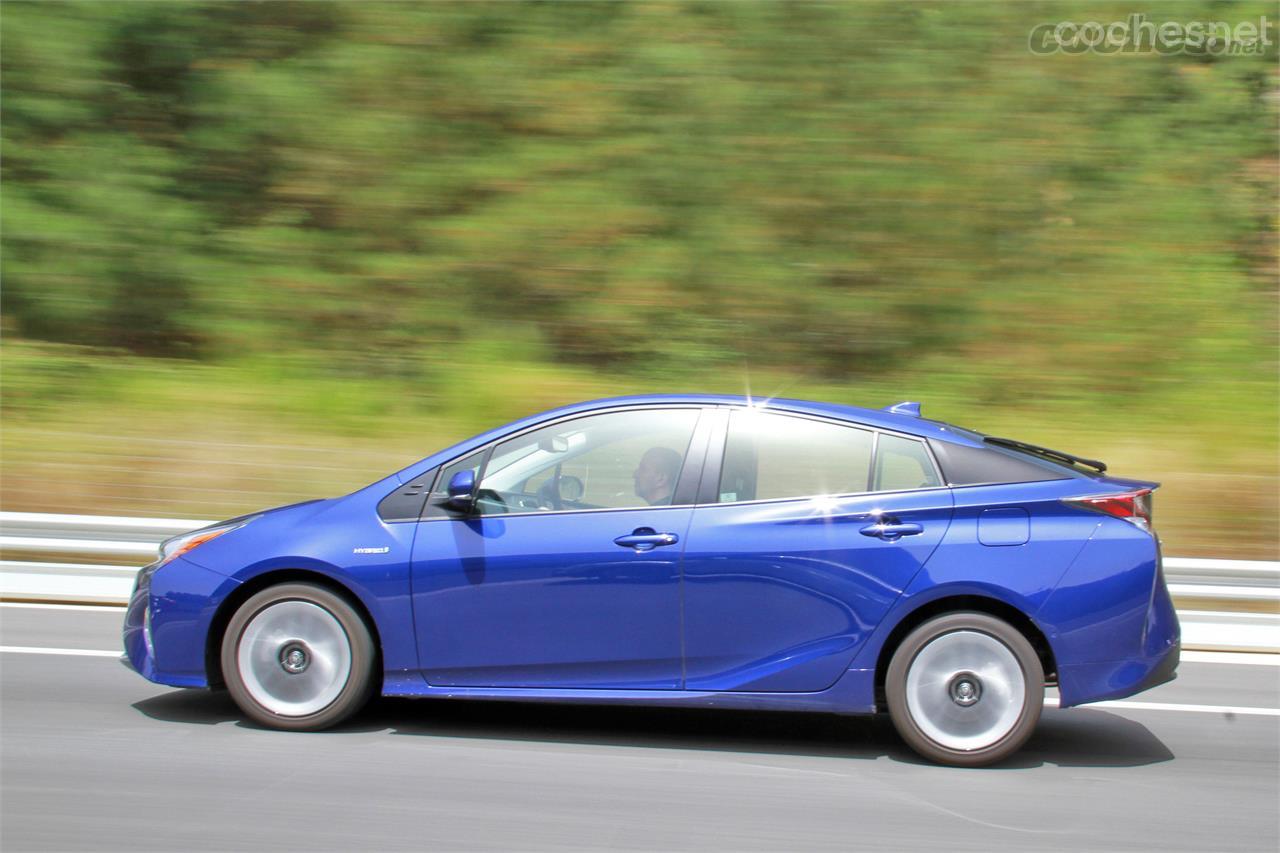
{"type": "Point", "coordinates": [1133, 507]}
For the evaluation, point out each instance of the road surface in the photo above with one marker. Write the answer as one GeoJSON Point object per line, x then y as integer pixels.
{"type": "Point", "coordinates": [94, 757]}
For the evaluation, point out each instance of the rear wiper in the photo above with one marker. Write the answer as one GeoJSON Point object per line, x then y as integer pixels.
{"type": "Point", "coordinates": [1037, 450]}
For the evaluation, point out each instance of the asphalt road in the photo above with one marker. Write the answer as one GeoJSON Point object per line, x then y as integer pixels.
{"type": "Point", "coordinates": [94, 757]}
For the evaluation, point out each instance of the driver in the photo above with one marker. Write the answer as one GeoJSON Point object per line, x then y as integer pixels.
{"type": "Point", "coordinates": [656, 475]}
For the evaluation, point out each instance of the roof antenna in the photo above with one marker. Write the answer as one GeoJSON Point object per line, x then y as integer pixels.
{"type": "Point", "coordinates": [906, 407]}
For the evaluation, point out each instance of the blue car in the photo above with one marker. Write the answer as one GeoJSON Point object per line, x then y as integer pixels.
{"type": "Point", "coordinates": [702, 550]}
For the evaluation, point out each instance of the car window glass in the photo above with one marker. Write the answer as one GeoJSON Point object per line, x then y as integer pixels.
{"type": "Point", "coordinates": [903, 463]}
{"type": "Point", "coordinates": [609, 461]}
{"type": "Point", "coordinates": [769, 456]}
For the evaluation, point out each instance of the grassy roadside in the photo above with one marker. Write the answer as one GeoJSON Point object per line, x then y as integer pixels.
{"type": "Point", "coordinates": [123, 435]}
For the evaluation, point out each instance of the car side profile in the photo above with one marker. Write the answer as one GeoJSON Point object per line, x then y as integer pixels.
{"type": "Point", "coordinates": [697, 550]}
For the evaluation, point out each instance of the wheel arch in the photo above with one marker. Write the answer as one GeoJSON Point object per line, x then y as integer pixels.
{"type": "Point", "coordinates": [956, 603]}
{"type": "Point", "coordinates": [243, 592]}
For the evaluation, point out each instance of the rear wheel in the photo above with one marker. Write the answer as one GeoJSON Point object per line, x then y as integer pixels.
{"type": "Point", "coordinates": [965, 689]}
{"type": "Point", "coordinates": [297, 656]}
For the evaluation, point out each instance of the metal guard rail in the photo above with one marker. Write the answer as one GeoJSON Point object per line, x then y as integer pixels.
{"type": "Point", "coordinates": [1236, 602]}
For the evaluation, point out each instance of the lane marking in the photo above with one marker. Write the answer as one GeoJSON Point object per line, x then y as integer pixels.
{"type": "Point", "coordinates": [92, 608]}
{"type": "Point", "coordinates": [1245, 658]}
{"type": "Point", "coordinates": [1051, 702]}
{"type": "Point", "coordinates": [34, 650]}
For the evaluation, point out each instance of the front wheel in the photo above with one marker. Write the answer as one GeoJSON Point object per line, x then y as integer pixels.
{"type": "Point", "coordinates": [965, 689]}
{"type": "Point", "coordinates": [297, 656]}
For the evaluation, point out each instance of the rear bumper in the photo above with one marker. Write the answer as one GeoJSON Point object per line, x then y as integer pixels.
{"type": "Point", "coordinates": [1097, 682]}
{"type": "Point", "coordinates": [1160, 643]}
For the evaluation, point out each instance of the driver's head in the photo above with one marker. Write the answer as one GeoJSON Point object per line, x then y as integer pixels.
{"type": "Point", "coordinates": [656, 474]}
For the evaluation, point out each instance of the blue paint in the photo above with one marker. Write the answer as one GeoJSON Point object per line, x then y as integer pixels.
{"type": "Point", "coordinates": [1004, 526]}
{"type": "Point", "coordinates": [785, 604]}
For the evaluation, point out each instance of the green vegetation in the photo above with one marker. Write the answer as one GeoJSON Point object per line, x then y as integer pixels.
{"type": "Point", "coordinates": [254, 252]}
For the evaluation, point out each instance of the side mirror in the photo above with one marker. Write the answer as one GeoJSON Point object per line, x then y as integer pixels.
{"type": "Point", "coordinates": [461, 488]}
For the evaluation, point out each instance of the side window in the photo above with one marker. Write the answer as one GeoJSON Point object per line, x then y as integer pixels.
{"type": "Point", "coordinates": [903, 463]}
{"type": "Point", "coordinates": [615, 460]}
{"type": "Point", "coordinates": [441, 491]}
{"type": "Point", "coordinates": [769, 456]}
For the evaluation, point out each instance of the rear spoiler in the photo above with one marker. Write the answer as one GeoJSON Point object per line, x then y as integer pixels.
{"type": "Point", "coordinates": [1045, 452]}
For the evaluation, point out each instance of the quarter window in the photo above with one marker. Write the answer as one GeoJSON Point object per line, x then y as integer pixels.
{"type": "Point", "coordinates": [901, 464]}
{"type": "Point", "coordinates": [769, 456]}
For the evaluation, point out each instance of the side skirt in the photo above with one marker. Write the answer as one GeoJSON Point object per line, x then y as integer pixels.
{"type": "Point", "coordinates": [852, 694]}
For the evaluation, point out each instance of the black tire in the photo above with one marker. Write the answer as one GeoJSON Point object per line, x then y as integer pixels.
{"type": "Point", "coordinates": [338, 634]}
{"type": "Point", "coordinates": [947, 725]}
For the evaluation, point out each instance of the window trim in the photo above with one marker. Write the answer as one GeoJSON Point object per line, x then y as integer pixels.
{"type": "Point", "coordinates": [716, 455]}
{"type": "Point", "coordinates": [700, 408]}
{"type": "Point", "coordinates": [715, 428]}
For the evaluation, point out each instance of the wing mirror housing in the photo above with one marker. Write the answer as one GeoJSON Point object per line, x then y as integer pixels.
{"type": "Point", "coordinates": [462, 488]}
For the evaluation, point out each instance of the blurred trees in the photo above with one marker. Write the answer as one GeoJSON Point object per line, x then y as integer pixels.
{"type": "Point", "coordinates": [832, 189]}
{"type": "Point", "coordinates": [254, 252]}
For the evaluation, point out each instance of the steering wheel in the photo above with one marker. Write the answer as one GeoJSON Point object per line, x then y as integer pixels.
{"type": "Point", "coordinates": [549, 494]}
{"type": "Point", "coordinates": [570, 488]}
{"type": "Point", "coordinates": [556, 490]}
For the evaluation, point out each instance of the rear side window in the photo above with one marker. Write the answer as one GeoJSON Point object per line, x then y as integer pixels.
{"type": "Point", "coordinates": [769, 456]}
{"type": "Point", "coordinates": [902, 464]}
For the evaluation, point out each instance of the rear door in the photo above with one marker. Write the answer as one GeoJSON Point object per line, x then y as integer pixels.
{"type": "Point", "coordinates": [806, 533]}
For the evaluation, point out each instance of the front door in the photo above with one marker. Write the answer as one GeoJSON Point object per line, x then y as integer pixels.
{"type": "Point", "coordinates": [566, 573]}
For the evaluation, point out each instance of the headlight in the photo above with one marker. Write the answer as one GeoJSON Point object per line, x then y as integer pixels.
{"type": "Point", "coordinates": [179, 545]}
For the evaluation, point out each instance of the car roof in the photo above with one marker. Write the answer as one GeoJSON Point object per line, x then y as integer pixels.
{"type": "Point", "coordinates": [879, 418]}
{"type": "Point", "coordinates": [876, 418]}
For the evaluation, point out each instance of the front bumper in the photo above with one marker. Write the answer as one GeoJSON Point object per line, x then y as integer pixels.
{"type": "Point", "coordinates": [166, 624]}
{"type": "Point", "coordinates": [139, 654]}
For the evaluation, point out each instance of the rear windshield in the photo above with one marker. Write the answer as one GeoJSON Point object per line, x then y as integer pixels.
{"type": "Point", "coordinates": [1052, 464]}
{"type": "Point", "coordinates": [963, 465]}
{"type": "Point", "coordinates": [998, 463]}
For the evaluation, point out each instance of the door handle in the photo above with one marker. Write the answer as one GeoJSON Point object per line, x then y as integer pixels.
{"type": "Point", "coordinates": [891, 531]}
{"type": "Point", "coordinates": [646, 539]}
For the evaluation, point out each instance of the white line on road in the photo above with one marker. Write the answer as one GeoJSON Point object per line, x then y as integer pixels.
{"type": "Point", "coordinates": [115, 609]}
{"type": "Point", "coordinates": [1050, 702]}
{"type": "Point", "coordinates": [1188, 656]}
{"type": "Point", "coordinates": [36, 650]}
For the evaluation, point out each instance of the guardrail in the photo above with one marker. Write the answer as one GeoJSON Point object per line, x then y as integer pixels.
{"type": "Point", "coordinates": [1223, 604]}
